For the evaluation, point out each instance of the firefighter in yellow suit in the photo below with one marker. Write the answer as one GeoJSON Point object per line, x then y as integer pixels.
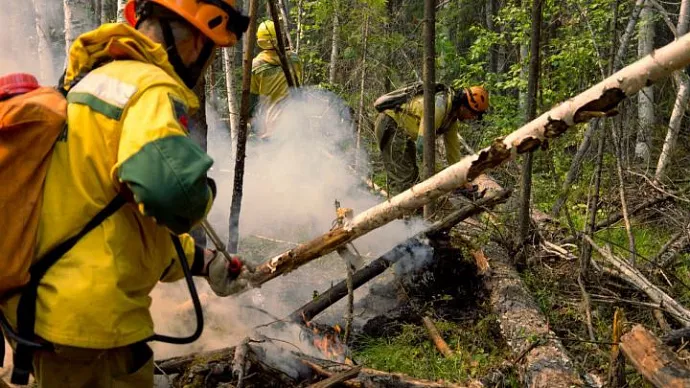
{"type": "Point", "coordinates": [400, 131]}
{"type": "Point", "coordinates": [269, 86]}
{"type": "Point", "coordinates": [129, 98]}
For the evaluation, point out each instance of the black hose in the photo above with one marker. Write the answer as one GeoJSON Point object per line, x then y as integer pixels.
{"type": "Point", "coordinates": [195, 301]}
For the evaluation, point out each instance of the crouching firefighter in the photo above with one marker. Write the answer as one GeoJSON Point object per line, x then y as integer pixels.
{"type": "Point", "coordinates": [400, 133]}
{"type": "Point", "coordinates": [123, 186]}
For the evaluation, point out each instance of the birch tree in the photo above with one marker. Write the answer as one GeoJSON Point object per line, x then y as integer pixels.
{"type": "Point", "coordinates": [334, 44]}
{"type": "Point", "coordinates": [49, 21]}
{"type": "Point", "coordinates": [229, 69]}
{"type": "Point", "coordinates": [121, 10]}
{"type": "Point", "coordinates": [80, 17]}
{"type": "Point", "coordinates": [645, 99]}
{"type": "Point", "coordinates": [680, 103]}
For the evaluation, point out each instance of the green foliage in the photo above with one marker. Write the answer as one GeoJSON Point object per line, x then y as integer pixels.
{"type": "Point", "coordinates": [476, 351]}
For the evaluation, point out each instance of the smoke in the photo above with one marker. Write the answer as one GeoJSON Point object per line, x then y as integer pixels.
{"type": "Point", "coordinates": [290, 185]}
{"type": "Point", "coordinates": [24, 50]}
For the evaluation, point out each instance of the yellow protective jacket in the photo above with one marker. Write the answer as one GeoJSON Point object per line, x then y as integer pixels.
{"type": "Point", "coordinates": [410, 117]}
{"type": "Point", "coordinates": [268, 78]}
{"type": "Point", "coordinates": [126, 126]}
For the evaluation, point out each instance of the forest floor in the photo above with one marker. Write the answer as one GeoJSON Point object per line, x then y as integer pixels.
{"type": "Point", "coordinates": [472, 329]}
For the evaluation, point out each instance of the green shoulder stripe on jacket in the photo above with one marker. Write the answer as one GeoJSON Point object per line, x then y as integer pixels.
{"type": "Point", "coordinates": [96, 104]}
{"type": "Point", "coordinates": [266, 66]}
{"type": "Point", "coordinates": [168, 176]}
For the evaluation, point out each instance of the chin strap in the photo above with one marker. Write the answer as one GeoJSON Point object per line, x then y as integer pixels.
{"type": "Point", "coordinates": [189, 74]}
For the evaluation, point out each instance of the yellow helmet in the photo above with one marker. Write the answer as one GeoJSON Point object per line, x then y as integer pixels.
{"type": "Point", "coordinates": [266, 35]}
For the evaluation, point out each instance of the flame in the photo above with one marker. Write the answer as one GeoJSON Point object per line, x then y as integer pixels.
{"type": "Point", "coordinates": [329, 342]}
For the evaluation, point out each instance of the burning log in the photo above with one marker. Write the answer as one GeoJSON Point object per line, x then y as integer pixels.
{"type": "Point", "coordinates": [597, 101]}
{"type": "Point", "coordinates": [378, 266]}
{"type": "Point", "coordinates": [543, 359]}
{"type": "Point", "coordinates": [435, 336]}
{"type": "Point", "coordinates": [653, 360]}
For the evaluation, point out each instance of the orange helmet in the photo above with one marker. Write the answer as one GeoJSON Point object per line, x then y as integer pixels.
{"type": "Point", "coordinates": [216, 19]}
{"type": "Point", "coordinates": [477, 98]}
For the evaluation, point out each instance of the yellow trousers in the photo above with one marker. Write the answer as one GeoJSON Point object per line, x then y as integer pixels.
{"type": "Point", "coordinates": [69, 367]}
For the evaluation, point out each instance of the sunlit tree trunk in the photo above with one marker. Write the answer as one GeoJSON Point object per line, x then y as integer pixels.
{"type": "Point", "coordinates": [121, 10]}
{"type": "Point", "coordinates": [645, 99]}
{"type": "Point", "coordinates": [298, 38]}
{"type": "Point", "coordinates": [230, 86]}
{"type": "Point", "coordinates": [680, 104]}
{"type": "Point", "coordinates": [334, 44]}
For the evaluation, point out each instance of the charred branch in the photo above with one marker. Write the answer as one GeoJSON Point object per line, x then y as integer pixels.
{"type": "Point", "coordinates": [378, 266]}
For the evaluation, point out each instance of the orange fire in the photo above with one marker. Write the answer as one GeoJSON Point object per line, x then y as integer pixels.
{"type": "Point", "coordinates": [329, 343]}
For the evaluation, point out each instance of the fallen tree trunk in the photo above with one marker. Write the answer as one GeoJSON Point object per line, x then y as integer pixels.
{"type": "Point", "coordinates": [307, 312]}
{"type": "Point", "coordinates": [597, 101]}
{"type": "Point", "coordinates": [659, 365]}
{"type": "Point", "coordinates": [543, 359]}
{"type": "Point", "coordinates": [635, 278]}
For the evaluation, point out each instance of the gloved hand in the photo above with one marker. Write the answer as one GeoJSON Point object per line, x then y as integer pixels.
{"type": "Point", "coordinates": [420, 146]}
{"type": "Point", "coordinates": [225, 277]}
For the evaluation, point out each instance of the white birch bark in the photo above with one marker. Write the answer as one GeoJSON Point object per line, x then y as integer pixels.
{"type": "Point", "coordinates": [645, 100]}
{"type": "Point", "coordinates": [121, 10]}
{"type": "Point", "coordinates": [334, 45]}
{"type": "Point", "coordinates": [233, 111]}
{"type": "Point", "coordinates": [680, 104]}
{"type": "Point", "coordinates": [80, 17]}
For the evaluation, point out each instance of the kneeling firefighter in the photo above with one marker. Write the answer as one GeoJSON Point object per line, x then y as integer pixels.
{"type": "Point", "coordinates": [124, 185]}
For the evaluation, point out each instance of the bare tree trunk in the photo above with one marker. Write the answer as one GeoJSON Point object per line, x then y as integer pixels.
{"type": "Point", "coordinates": [429, 97]}
{"type": "Point", "coordinates": [680, 104]}
{"type": "Point", "coordinates": [360, 114]}
{"type": "Point", "coordinates": [586, 249]}
{"type": "Point", "coordinates": [282, 53]}
{"type": "Point", "coordinates": [298, 38]}
{"type": "Point", "coordinates": [80, 17]}
{"type": "Point", "coordinates": [121, 10]}
{"type": "Point", "coordinates": [235, 207]}
{"type": "Point", "coordinates": [645, 100]}
{"type": "Point", "coordinates": [233, 112]}
{"type": "Point", "coordinates": [50, 19]}
{"type": "Point", "coordinates": [616, 140]}
{"type": "Point", "coordinates": [530, 114]}
{"type": "Point", "coordinates": [334, 45]}
{"type": "Point", "coordinates": [522, 97]}
{"type": "Point", "coordinates": [284, 12]}
{"type": "Point", "coordinates": [491, 6]}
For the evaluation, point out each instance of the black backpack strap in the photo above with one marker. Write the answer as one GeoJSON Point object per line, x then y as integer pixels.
{"type": "Point", "coordinates": [26, 310]}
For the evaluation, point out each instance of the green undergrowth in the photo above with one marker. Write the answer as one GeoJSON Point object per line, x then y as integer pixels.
{"type": "Point", "coordinates": [476, 349]}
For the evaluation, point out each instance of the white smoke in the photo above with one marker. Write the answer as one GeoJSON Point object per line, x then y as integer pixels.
{"type": "Point", "coordinates": [290, 185]}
